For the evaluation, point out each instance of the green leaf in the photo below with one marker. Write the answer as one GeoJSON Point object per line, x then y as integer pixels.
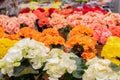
{"type": "Point", "coordinates": [68, 76]}
{"type": "Point", "coordinates": [114, 67]}
{"type": "Point", "coordinates": [24, 68]}
{"type": "Point", "coordinates": [80, 67]}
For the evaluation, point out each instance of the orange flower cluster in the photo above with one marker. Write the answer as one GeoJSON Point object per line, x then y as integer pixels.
{"type": "Point", "coordinates": [12, 36]}
{"type": "Point", "coordinates": [83, 36]}
{"type": "Point", "coordinates": [25, 32]}
{"type": "Point", "coordinates": [4, 35]}
{"type": "Point", "coordinates": [2, 32]}
{"type": "Point", "coordinates": [48, 36]}
{"type": "Point", "coordinates": [51, 36]}
{"type": "Point", "coordinates": [86, 41]}
{"type": "Point", "coordinates": [50, 31]}
{"type": "Point", "coordinates": [81, 30]}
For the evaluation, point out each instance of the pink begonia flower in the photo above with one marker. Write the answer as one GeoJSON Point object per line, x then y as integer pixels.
{"type": "Point", "coordinates": [91, 18]}
{"type": "Point", "coordinates": [74, 19]}
{"type": "Point", "coordinates": [12, 25]}
{"type": "Point", "coordinates": [65, 12]}
{"type": "Point", "coordinates": [3, 20]}
{"type": "Point", "coordinates": [28, 19]}
{"type": "Point", "coordinates": [86, 19]}
{"type": "Point", "coordinates": [58, 21]}
{"type": "Point", "coordinates": [112, 19]}
{"type": "Point", "coordinates": [101, 33]}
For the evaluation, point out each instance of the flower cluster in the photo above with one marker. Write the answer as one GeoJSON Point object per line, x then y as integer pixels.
{"type": "Point", "coordinates": [9, 36]}
{"type": "Point", "coordinates": [12, 36]}
{"type": "Point", "coordinates": [35, 52]}
{"type": "Point", "coordinates": [74, 19]}
{"type": "Point", "coordinates": [51, 36]}
{"type": "Point", "coordinates": [111, 50]}
{"type": "Point", "coordinates": [65, 12]}
{"type": "Point", "coordinates": [115, 30]}
{"type": "Point", "coordinates": [95, 18]}
{"type": "Point", "coordinates": [27, 32]}
{"type": "Point", "coordinates": [99, 70]}
{"type": "Point", "coordinates": [3, 20]}
{"type": "Point", "coordinates": [58, 63]}
{"type": "Point", "coordinates": [2, 32]}
{"type": "Point", "coordinates": [58, 21]}
{"type": "Point", "coordinates": [55, 62]}
{"type": "Point", "coordinates": [81, 35]}
{"type": "Point", "coordinates": [42, 16]}
{"type": "Point", "coordinates": [101, 34]}
{"type": "Point", "coordinates": [27, 19]}
{"type": "Point", "coordinates": [112, 19]}
{"type": "Point", "coordinates": [21, 41]}
{"type": "Point", "coordinates": [11, 25]}
{"type": "Point", "coordinates": [5, 44]}
{"type": "Point", "coordinates": [48, 36]}
{"type": "Point", "coordinates": [81, 30]}
{"type": "Point", "coordinates": [97, 9]}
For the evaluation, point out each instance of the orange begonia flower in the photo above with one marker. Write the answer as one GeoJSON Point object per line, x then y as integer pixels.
{"type": "Point", "coordinates": [51, 36]}
{"type": "Point", "coordinates": [27, 32]}
{"type": "Point", "coordinates": [50, 31]}
{"type": "Point", "coordinates": [81, 30]}
{"type": "Point", "coordinates": [88, 55]}
{"type": "Point", "coordinates": [2, 33]}
{"type": "Point", "coordinates": [12, 36]}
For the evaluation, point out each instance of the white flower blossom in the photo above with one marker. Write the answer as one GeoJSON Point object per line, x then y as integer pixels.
{"type": "Point", "coordinates": [58, 63]}
{"type": "Point", "coordinates": [13, 55]}
{"type": "Point", "coordinates": [6, 67]}
{"type": "Point", "coordinates": [99, 70]}
{"type": "Point", "coordinates": [35, 52]}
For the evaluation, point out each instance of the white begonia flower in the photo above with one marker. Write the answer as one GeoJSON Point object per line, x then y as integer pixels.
{"type": "Point", "coordinates": [38, 61]}
{"type": "Point", "coordinates": [38, 55]}
{"type": "Point", "coordinates": [35, 52]}
{"type": "Point", "coordinates": [55, 53]}
{"type": "Point", "coordinates": [58, 63]}
{"type": "Point", "coordinates": [68, 63]}
{"type": "Point", "coordinates": [37, 49]}
{"type": "Point", "coordinates": [6, 67]}
{"type": "Point", "coordinates": [22, 44]}
{"type": "Point", "coordinates": [99, 70]}
{"type": "Point", "coordinates": [13, 55]}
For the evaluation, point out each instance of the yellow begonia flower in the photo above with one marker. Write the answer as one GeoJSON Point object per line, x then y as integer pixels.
{"type": "Point", "coordinates": [5, 44]}
{"type": "Point", "coordinates": [111, 50]}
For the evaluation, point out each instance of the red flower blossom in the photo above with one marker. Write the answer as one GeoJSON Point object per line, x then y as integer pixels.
{"type": "Point", "coordinates": [51, 10]}
{"type": "Point", "coordinates": [87, 9]}
{"type": "Point", "coordinates": [43, 21]}
{"type": "Point", "coordinates": [43, 18]}
{"type": "Point", "coordinates": [26, 10]}
{"type": "Point", "coordinates": [76, 10]}
{"type": "Point", "coordinates": [41, 9]}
